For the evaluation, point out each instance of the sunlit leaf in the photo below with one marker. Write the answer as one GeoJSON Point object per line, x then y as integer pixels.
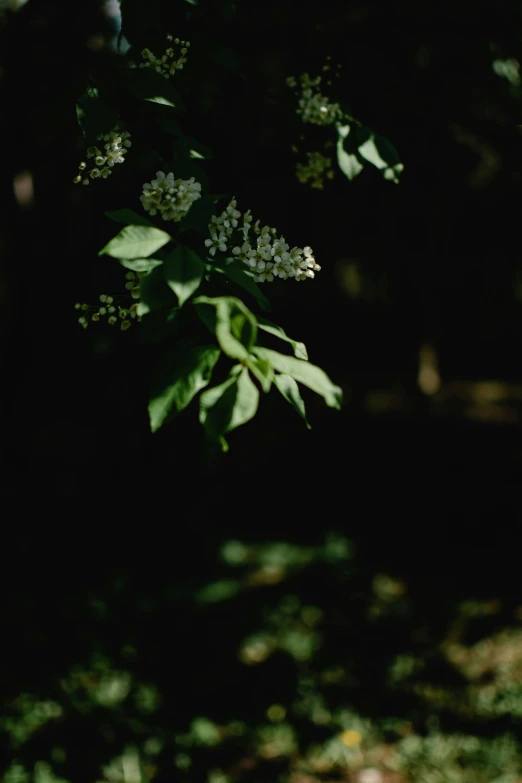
{"type": "Point", "coordinates": [290, 391]}
{"type": "Point", "coordinates": [299, 348]}
{"type": "Point", "coordinates": [176, 380]}
{"type": "Point", "coordinates": [136, 242]}
{"type": "Point", "coordinates": [140, 264]}
{"type": "Point", "coordinates": [304, 372]}
{"type": "Point", "coordinates": [235, 326]}
{"type": "Point", "coordinates": [229, 405]}
{"type": "Point", "coordinates": [348, 162]}
{"type": "Point", "coordinates": [358, 144]}
{"type": "Point", "coordinates": [262, 371]}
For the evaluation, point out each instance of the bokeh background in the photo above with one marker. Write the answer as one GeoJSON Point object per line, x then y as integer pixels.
{"type": "Point", "coordinates": [339, 604]}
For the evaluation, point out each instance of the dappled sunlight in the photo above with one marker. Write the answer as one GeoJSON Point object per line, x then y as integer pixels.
{"type": "Point", "coordinates": [321, 726]}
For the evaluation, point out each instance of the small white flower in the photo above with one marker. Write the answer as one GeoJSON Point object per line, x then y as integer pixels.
{"type": "Point", "coordinates": [264, 277]}
{"type": "Point", "coordinates": [245, 252]}
{"type": "Point", "coordinates": [216, 242]}
{"type": "Point", "coordinates": [113, 153]}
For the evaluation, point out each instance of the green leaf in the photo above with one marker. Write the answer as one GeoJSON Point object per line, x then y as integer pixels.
{"type": "Point", "coordinates": [304, 372]}
{"type": "Point", "coordinates": [389, 154]}
{"type": "Point", "coordinates": [290, 391]}
{"type": "Point", "coordinates": [299, 348]}
{"type": "Point", "coordinates": [216, 406]}
{"type": "Point", "coordinates": [95, 114]}
{"type": "Point", "coordinates": [183, 270]}
{"type": "Point", "coordinates": [229, 405]}
{"type": "Point", "coordinates": [247, 401]}
{"type": "Point", "coordinates": [136, 242]}
{"type": "Point", "coordinates": [348, 162]}
{"type": "Point", "coordinates": [155, 293]}
{"type": "Point", "coordinates": [140, 264]}
{"type": "Point", "coordinates": [355, 147]}
{"type": "Point", "coordinates": [238, 274]}
{"type": "Point", "coordinates": [128, 217]}
{"type": "Point", "coordinates": [198, 216]}
{"type": "Point", "coordinates": [369, 152]}
{"type": "Point", "coordinates": [235, 326]}
{"type": "Point", "coordinates": [177, 379]}
{"type": "Point", "coordinates": [149, 85]}
{"type": "Point", "coordinates": [262, 370]}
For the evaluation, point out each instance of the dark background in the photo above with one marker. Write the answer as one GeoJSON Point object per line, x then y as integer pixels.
{"type": "Point", "coordinates": [437, 254]}
{"type": "Point", "coordinates": [429, 486]}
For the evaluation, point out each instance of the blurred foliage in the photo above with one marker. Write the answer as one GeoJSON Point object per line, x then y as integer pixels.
{"type": "Point", "coordinates": [294, 662]}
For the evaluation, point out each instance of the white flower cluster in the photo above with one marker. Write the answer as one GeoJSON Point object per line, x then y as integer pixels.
{"type": "Point", "coordinates": [316, 171]}
{"type": "Point", "coordinates": [313, 107]}
{"type": "Point", "coordinates": [110, 309]}
{"type": "Point", "coordinates": [172, 198]}
{"type": "Point", "coordinates": [168, 63]}
{"type": "Point", "coordinates": [115, 147]}
{"type": "Point", "coordinates": [259, 248]}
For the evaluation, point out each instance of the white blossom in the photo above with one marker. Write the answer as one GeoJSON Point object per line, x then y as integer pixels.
{"type": "Point", "coordinates": [259, 248]}
{"type": "Point", "coordinates": [316, 171]}
{"type": "Point", "coordinates": [115, 146]}
{"type": "Point", "coordinates": [122, 308]}
{"type": "Point", "coordinates": [216, 242]}
{"type": "Point", "coordinates": [171, 198]}
{"type": "Point", "coordinates": [312, 106]}
{"type": "Point", "coordinates": [170, 62]}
